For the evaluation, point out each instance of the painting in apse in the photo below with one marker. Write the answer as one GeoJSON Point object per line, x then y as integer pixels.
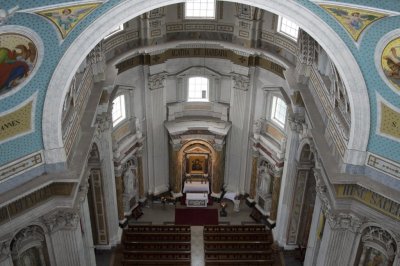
{"type": "Point", "coordinates": [197, 164]}
{"type": "Point", "coordinates": [391, 62]}
{"type": "Point", "coordinates": [66, 18]}
{"type": "Point", "coordinates": [17, 59]}
{"type": "Point", "coordinates": [352, 19]}
{"type": "Point", "coordinates": [375, 258]}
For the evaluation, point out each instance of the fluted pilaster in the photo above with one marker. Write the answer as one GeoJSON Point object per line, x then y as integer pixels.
{"type": "Point", "coordinates": [275, 197]}
{"type": "Point", "coordinates": [253, 180]}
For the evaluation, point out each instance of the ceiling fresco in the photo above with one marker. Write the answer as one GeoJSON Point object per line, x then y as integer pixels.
{"type": "Point", "coordinates": [353, 20]}
{"type": "Point", "coordinates": [361, 29]}
{"type": "Point", "coordinates": [66, 18]}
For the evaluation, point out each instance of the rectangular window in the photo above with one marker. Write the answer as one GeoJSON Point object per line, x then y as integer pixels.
{"type": "Point", "coordinates": [278, 113]}
{"type": "Point", "coordinates": [288, 28]}
{"type": "Point", "coordinates": [198, 89]}
{"type": "Point", "coordinates": [118, 110]}
{"type": "Point", "coordinates": [200, 9]}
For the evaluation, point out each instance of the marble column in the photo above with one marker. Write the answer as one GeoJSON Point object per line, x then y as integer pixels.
{"type": "Point", "coordinates": [253, 180]}
{"type": "Point", "coordinates": [86, 226]}
{"type": "Point", "coordinates": [139, 157]}
{"type": "Point", "coordinates": [218, 170]}
{"type": "Point", "coordinates": [338, 239]}
{"type": "Point", "coordinates": [108, 178]}
{"type": "Point", "coordinates": [66, 238]}
{"type": "Point", "coordinates": [288, 182]}
{"type": "Point", "coordinates": [313, 239]}
{"type": "Point", "coordinates": [119, 184]}
{"type": "Point", "coordinates": [5, 254]}
{"type": "Point", "coordinates": [275, 195]}
{"type": "Point", "coordinates": [175, 166]}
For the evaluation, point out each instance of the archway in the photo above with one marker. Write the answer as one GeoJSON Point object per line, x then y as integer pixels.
{"type": "Point", "coordinates": [323, 34]}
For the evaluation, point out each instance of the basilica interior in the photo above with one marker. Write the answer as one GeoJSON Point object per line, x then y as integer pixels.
{"type": "Point", "coordinates": [286, 111]}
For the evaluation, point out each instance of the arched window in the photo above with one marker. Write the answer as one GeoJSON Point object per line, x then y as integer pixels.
{"type": "Point", "coordinates": [288, 28]}
{"type": "Point", "coordinates": [200, 9]}
{"type": "Point", "coordinates": [198, 89]}
{"type": "Point", "coordinates": [118, 110]}
{"type": "Point", "coordinates": [278, 111]}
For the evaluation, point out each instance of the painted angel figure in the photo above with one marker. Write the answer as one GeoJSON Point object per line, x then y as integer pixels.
{"type": "Point", "coordinates": [67, 17]}
{"type": "Point", "coordinates": [354, 20]}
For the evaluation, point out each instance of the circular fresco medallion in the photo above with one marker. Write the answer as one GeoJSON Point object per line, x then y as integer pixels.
{"type": "Point", "coordinates": [390, 61]}
{"type": "Point", "coordinates": [18, 56]}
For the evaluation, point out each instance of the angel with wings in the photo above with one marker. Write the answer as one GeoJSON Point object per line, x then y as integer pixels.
{"type": "Point", "coordinates": [354, 20]}
{"type": "Point", "coordinates": [67, 17]}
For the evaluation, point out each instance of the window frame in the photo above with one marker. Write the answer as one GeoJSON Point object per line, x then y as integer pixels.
{"type": "Point", "coordinates": [200, 17]}
{"type": "Point", "coordinates": [273, 111]}
{"type": "Point", "coordinates": [284, 33]}
{"type": "Point", "coordinates": [122, 117]}
{"type": "Point", "coordinates": [207, 99]}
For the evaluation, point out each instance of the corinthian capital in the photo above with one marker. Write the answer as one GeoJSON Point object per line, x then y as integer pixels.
{"type": "Point", "coordinates": [297, 123]}
{"type": "Point", "coordinates": [4, 249]}
{"type": "Point", "coordinates": [156, 81]}
{"type": "Point", "coordinates": [64, 219]}
{"type": "Point", "coordinates": [241, 82]}
{"type": "Point", "coordinates": [344, 221]}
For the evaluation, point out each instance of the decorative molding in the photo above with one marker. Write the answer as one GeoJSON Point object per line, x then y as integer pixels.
{"type": "Point", "coordinates": [5, 250]}
{"type": "Point", "coordinates": [383, 165]}
{"type": "Point", "coordinates": [156, 81]}
{"type": "Point", "coordinates": [370, 198]}
{"type": "Point", "coordinates": [297, 123]}
{"type": "Point", "coordinates": [26, 236]}
{"type": "Point", "coordinates": [280, 41]}
{"type": "Point", "coordinates": [236, 57]}
{"type": "Point", "coordinates": [344, 221]}
{"type": "Point", "coordinates": [64, 219]}
{"type": "Point", "coordinates": [33, 199]}
{"type": "Point", "coordinates": [21, 165]}
{"type": "Point", "coordinates": [6, 14]}
{"type": "Point", "coordinates": [241, 82]}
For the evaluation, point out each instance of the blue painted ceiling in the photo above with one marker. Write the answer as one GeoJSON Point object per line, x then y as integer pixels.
{"type": "Point", "coordinates": [53, 51]}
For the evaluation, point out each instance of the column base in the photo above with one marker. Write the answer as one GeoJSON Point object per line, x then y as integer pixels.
{"type": "Point", "coordinates": [250, 202]}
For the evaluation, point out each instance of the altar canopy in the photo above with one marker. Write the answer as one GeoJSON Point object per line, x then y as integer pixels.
{"type": "Point", "coordinates": [196, 186]}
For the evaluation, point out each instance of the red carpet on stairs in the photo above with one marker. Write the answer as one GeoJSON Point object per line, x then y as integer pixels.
{"type": "Point", "coordinates": [196, 216]}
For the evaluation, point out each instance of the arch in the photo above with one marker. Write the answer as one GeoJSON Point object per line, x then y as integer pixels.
{"type": "Point", "coordinates": [93, 34]}
{"type": "Point", "coordinates": [363, 229]}
{"type": "Point", "coordinates": [303, 143]}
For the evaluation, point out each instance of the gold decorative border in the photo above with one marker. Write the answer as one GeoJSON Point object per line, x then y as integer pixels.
{"type": "Point", "coordinates": [369, 198]}
{"type": "Point", "coordinates": [383, 165]}
{"type": "Point", "coordinates": [31, 200]}
{"type": "Point", "coordinates": [21, 165]}
{"type": "Point", "coordinates": [247, 61]}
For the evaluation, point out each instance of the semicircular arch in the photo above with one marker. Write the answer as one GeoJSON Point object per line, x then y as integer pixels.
{"type": "Point", "coordinates": [306, 19]}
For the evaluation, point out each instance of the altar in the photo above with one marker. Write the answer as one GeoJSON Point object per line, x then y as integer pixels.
{"type": "Point", "coordinates": [196, 199]}
{"type": "Point", "coordinates": [196, 186]}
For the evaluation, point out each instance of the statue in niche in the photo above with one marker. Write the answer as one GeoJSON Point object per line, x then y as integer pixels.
{"type": "Point", "coordinates": [264, 184]}
{"type": "Point", "coordinates": [129, 181]}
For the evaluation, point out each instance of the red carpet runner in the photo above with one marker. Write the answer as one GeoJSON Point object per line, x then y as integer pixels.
{"type": "Point", "coordinates": [196, 216]}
